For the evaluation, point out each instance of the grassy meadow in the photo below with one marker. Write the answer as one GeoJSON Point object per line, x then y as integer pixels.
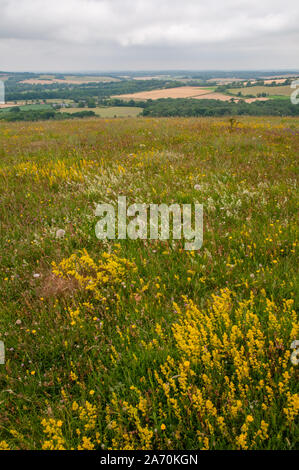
{"type": "Point", "coordinates": [141, 344]}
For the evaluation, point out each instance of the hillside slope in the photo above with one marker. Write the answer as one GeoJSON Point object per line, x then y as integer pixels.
{"type": "Point", "coordinates": [125, 344]}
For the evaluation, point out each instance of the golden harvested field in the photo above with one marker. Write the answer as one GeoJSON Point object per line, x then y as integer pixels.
{"type": "Point", "coordinates": [178, 92]}
{"type": "Point", "coordinates": [275, 80]}
{"type": "Point", "coordinates": [214, 96]}
{"type": "Point", "coordinates": [198, 93]}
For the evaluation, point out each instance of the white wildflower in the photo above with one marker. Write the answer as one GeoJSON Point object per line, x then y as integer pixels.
{"type": "Point", "coordinates": [60, 233]}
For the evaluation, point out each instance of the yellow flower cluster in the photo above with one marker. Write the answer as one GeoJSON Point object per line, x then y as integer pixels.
{"type": "Point", "coordinates": [86, 417]}
{"type": "Point", "coordinates": [91, 275]}
{"type": "Point", "coordinates": [88, 414]}
{"type": "Point", "coordinates": [55, 440]}
{"type": "Point", "coordinates": [4, 445]}
{"type": "Point", "coordinates": [133, 416]}
{"type": "Point", "coordinates": [292, 409]}
{"type": "Point", "coordinates": [232, 374]}
{"type": "Point", "coordinates": [53, 171]}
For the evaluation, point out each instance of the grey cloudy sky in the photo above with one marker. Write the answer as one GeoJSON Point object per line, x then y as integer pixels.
{"type": "Point", "coordinates": [102, 35]}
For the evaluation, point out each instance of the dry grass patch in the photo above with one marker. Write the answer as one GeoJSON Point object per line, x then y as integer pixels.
{"type": "Point", "coordinates": [53, 286]}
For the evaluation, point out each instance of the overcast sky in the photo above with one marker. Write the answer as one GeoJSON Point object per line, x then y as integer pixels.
{"type": "Point", "coordinates": [103, 35]}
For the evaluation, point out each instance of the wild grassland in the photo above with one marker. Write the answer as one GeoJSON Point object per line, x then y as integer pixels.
{"type": "Point", "coordinates": [141, 344]}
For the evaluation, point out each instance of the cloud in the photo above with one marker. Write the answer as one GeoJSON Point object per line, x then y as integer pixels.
{"type": "Point", "coordinates": [118, 27]}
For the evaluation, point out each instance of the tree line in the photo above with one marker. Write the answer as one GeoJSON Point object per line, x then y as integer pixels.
{"type": "Point", "coordinates": [24, 91]}
{"type": "Point", "coordinates": [191, 107]}
{"type": "Point", "coordinates": [16, 114]}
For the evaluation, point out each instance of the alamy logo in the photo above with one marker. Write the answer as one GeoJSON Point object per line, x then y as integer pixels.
{"type": "Point", "coordinates": [2, 93]}
{"type": "Point", "coordinates": [151, 221]}
{"type": "Point", "coordinates": [294, 94]}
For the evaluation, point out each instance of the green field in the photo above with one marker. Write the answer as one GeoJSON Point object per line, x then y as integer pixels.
{"type": "Point", "coordinates": [108, 112]}
{"type": "Point", "coordinates": [273, 90]}
{"type": "Point", "coordinates": [28, 107]}
{"type": "Point", "coordinates": [141, 344]}
{"type": "Point", "coordinates": [280, 97]}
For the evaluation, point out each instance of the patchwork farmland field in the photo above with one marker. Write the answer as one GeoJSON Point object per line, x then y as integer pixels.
{"type": "Point", "coordinates": [124, 344]}
{"type": "Point", "coordinates": [70, 79]}
{"type": "Point", "coordinates": [275, 80]}
{"type": "Point", "coordinates": [252, 100]}
{"type": "Point", "coordinates": [213, 96]}
{"type": "Point", "coordinates": [26, 107]}
{"type": "Point", "coordinates": [199, 93]}
{"type": "Point", "coordinates": [273, 90]}
{"type": "Point", "coordinates": [109, 111]}
{"type": "Point", "coordinates": [178, 92]}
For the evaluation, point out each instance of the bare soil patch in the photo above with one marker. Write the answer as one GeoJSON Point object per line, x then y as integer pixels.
{"type": "Point", "coordinates": [53, 286]}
